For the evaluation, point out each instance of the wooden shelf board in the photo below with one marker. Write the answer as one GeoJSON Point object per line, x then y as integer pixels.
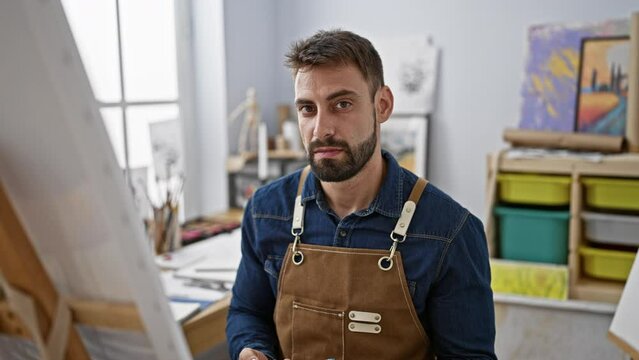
{"type": "Point", "coordinates": [551, 166]}
{"type": "Point", "coordinates": [597, 290]}
{"type": "Point", "coordinates": [614, 165]}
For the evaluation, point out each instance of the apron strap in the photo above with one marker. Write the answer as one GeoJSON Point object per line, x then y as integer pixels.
{"type": "Point", "coordinates": [298, 211]}
{"type": "Point", "coordinates": [398, 235]}
{"type": "Point", "coordinates": [409, 210]}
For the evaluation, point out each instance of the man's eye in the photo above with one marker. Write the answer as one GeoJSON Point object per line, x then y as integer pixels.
{"type": "Point", "coordinates": [305, 109]}
{"type": "Point", "coordinates": [343, 105]}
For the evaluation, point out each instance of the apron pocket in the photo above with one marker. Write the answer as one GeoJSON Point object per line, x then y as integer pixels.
{"type": "Point", "coordinates": [318, 333]}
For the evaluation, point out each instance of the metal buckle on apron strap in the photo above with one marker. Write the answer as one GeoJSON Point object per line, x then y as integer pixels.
{"type": "Point", "coordinates": [386, 262]}
{"type": "Point", "coordinates": [297, 256]}
{"type": "Point", "coordinates": [297, 229]}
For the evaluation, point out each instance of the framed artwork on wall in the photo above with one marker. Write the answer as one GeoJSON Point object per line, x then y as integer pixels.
{"type": "Point", "coordinates": [410, 70]}
{"type": "Point", "coordinates": [406, 138]}
{"type": "Point", "coordinates": [602, 94]}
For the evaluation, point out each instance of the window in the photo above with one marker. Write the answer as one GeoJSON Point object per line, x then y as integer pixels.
{"type": "Point", "coordinates": [129, 53]}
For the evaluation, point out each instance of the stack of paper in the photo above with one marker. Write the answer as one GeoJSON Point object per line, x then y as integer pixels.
{"type": "Point", "coordinates": [183, 311]}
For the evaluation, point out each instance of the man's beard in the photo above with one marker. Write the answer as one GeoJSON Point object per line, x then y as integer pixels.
{"type": "Point", "coordinates": [333, 170]}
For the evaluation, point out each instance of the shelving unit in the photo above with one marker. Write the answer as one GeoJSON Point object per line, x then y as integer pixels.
{"type": "Point", "coordinates": [624, 165]}
{"type": "Point", "coordinates": [244, 167]}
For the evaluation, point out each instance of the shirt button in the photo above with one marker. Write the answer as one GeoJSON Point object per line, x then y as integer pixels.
{"type": "Point", "coordinates": [342, 233]}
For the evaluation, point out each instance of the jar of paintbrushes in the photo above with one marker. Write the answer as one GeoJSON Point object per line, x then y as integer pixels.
{"type": "Point", "coordinates": [164, 229]}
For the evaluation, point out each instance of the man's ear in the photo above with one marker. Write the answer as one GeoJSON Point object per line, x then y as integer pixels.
{"type": "Point", "coordinates": [384, 103]}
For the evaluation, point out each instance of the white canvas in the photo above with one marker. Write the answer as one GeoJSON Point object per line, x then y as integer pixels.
{"type": "Point", "coordinates": [61, 175]}
{"type": "Point", "coordinates": [625, 324]}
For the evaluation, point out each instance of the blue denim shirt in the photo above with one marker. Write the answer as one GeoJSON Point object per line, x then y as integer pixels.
{"type": "Point", "coordinates": [445, 260]}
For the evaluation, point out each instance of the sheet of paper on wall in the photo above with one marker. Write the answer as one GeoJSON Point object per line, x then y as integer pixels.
{"type": "Point", "coordinates": [410, 70]}
{"type": "Point", "coordinates": [167, 148]}
{"type": "Point", "coordinates": [139, 185]}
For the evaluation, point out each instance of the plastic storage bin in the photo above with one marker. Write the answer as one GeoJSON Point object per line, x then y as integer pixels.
{"type": "Point", "coordinates": [534, 189]}
{"type": "Point", "coordinates": [533, 235]}
{"type": "Point", "coordinates": [607, 264]}
{"type": "Point", "coordinates": [529, 279]}
{"type": "Point", "coordinates": [610, 193]}
{"type": "Point", "coordinates": [611, 229]}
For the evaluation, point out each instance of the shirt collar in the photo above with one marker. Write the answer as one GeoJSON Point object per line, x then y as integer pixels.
{"type": "Point", "coordinates": [389, 201]}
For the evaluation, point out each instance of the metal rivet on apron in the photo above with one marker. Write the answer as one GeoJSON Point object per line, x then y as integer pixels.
{"type": "Point", "coordinates": [408, 210]}
{"type": "Point", "coordinates": [376, 328]}
{"type": "Point", "coordinates": [352, 326]}
{"type": "Point", "coordinates": [352, 316]}
{"type": "Point", "coordinates": [402, 225]}
{"type": "Point", "coordinates": [376, 317]}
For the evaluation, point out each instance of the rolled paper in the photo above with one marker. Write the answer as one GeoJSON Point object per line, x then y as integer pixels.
{"type": "Point", "coordinates": [559, 140]}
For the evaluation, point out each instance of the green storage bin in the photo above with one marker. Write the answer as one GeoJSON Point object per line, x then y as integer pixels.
{"type": "Point", "coordinates": [607, 193]}
{"type": "Point", "coordinates": [550, 190]}
{"type": "Point", "coordinates": [533, 235]}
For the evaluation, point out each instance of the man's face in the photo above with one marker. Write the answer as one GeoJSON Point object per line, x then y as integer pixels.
{"type": "Point", "coordinates": [337, 120]}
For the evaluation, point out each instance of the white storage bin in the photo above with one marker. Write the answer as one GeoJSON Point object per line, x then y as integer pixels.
{"type": "Point", "coordinates": [611, 228]}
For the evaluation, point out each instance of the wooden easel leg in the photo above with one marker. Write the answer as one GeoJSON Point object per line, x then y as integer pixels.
{"type": "Point", "coordinates": [23, 270]}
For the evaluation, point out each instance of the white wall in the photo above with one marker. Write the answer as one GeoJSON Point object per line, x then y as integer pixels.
{"type": "Point", "coordinates": [205, 89]}
{"type": "Point", "coordinates": [483, 55]}
{"type": "Point", "coordinates": [251, 58]}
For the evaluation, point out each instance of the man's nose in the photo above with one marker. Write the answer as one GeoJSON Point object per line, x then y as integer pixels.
{"type": "Point", "coordinates": [324, 125]}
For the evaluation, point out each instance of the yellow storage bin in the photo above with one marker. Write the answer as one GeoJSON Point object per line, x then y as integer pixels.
{"type": "Point", "coordinates": [607, 264]}
{"type": "Point", "coordinates": [611, 193]}
{"type": "Point", "coordinates": [534, 189]}
{"type": "Point", "coordinates": [529, 279]}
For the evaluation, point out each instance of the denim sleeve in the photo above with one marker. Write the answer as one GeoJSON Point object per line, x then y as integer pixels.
{"type": "Point", "coordinates": [250, 318]}
{"type": "Point", "coordinates": [460, 308]}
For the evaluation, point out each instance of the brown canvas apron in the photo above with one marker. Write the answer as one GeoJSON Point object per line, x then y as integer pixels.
{"type": "Point", "coordinates": [342, 303]}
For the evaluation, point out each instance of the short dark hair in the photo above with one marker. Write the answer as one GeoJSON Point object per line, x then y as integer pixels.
{"type": "Point", "coordinates": [338, 47]}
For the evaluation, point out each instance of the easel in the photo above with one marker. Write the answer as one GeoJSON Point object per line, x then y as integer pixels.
{"type": "Point", "coordinates": [23, 270]}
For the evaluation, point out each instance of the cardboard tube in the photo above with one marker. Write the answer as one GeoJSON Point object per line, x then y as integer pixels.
{"type": "Point", "coordinates": [558, 140]}
{"type": "Point", "coordinates": [632, 118]}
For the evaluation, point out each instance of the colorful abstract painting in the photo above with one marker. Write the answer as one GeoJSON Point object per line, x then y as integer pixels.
{"type": "Point", "coordinates": [603, 86]}
{"type": "Point", "coordinates": [552, 70]}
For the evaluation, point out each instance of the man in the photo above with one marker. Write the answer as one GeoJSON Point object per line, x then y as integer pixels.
{"type": "Point", "coordinates": [358, 258]}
